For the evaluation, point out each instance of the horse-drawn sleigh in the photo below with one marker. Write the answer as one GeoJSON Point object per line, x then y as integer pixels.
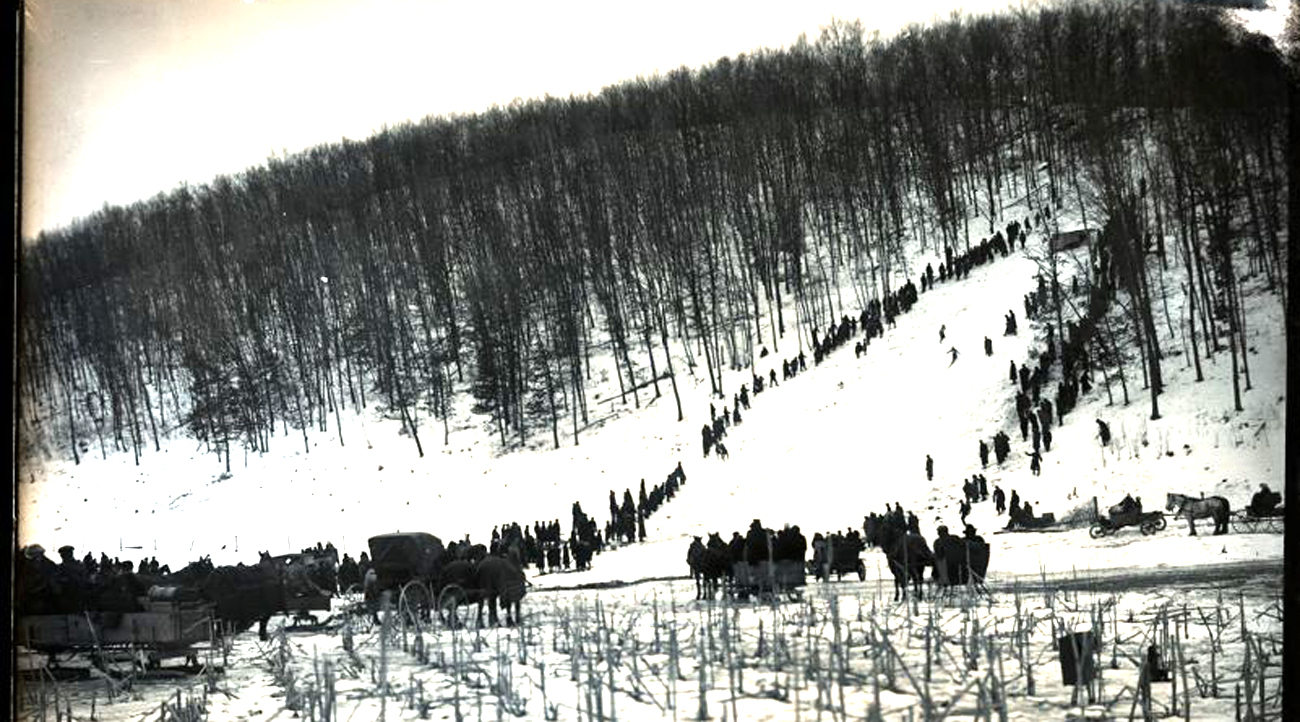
{"type": "Point", "coordinates": [765, 564]}
{"type": "Point", "coordinates": [1248, 521]}
{"type": "Point", "coordinates": [768, 579]}
{"type": "Point", "coordinates": [165, 626]}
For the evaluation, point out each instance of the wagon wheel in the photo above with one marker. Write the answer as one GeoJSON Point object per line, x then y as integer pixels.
{"type": "Point", "coordinates": [1149, 527]}
{"type": "Point", "coordinates": [415, 602]}
{"type": "Point", "coordinates": [449, 600]}
{"type": "Point", "coordinates": [1097, 531]}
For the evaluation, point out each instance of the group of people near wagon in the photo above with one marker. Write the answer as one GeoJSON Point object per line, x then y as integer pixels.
{"type": "Point", "coordinates": [72, 585]}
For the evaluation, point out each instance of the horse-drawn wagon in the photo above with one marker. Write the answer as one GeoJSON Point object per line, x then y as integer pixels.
{"type": "Point", "coordinates": [423, 575]}
{"type": "Point", "coordinates": [407, 565]}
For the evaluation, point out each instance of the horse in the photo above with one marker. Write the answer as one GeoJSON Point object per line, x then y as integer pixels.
{"type": "Point", "coordinates": [457, 586]}
{"type": "Point", "coordinates": [715, 564]}
{"type": "Point", "coordinates": [499, 578]}
{"type": "Point", "coordinates": [695, 560]}
{"type": "Point", "coordinates": [1193, 509]}
{"type": "Point", "coordinates": [908, 556]}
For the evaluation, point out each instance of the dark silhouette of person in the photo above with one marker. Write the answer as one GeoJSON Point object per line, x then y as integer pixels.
{"type": "Point", "coordinates": [1264, 501]}
{"type": "Point", "coordinates": [929, 468]}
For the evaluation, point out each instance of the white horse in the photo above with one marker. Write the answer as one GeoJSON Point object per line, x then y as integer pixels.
{"type": "Point", "coordinates": [1187, 506]}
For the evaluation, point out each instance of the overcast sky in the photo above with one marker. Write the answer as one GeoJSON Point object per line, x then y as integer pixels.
{"type": "Point", "coordinates": [126, 98]}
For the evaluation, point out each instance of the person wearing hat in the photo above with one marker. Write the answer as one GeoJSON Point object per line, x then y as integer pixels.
{"type": "Point", "coordinates": [971, 535]}
{"type": "Point", "coordinates": [69, 567]}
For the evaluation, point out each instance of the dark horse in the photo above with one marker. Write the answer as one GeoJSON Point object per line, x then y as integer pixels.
{"type": "Point", "coordinates": [710, 565]}
{"type": "Point", "coordinates": [1192, 508]}
{"type": "Point", "coordinates": [908, 556]}
{"type": "Point", "coordinates": [501, 579]}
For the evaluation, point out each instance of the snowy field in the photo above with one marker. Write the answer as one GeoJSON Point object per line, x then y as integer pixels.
{"type": "Point", "coordinates": [651, 651]}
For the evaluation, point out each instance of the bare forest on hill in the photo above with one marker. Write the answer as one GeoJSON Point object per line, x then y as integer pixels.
{"type": "Point", "coordinates": [683, 218]}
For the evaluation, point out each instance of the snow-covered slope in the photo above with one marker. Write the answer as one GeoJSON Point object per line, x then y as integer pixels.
{"type": "Point", "coordinates": [820, 451]}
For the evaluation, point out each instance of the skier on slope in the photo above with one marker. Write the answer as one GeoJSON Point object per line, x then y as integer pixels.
{"type": "Point", "coordinates": [952, 351]}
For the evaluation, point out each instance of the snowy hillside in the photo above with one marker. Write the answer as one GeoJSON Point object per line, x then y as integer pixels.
{"type": "Point", "coordinates": [822, 450]}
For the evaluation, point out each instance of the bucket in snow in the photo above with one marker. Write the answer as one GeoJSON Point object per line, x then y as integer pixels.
{"type": "Point", "coordinates": [1078, 654]}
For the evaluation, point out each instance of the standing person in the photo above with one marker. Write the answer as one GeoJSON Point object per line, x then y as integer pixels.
{"type": "Point", "coordinates": [1103, 432]}
{"type": "Point", "coordinates": [1014, 376]}
{"type": "Point", "coordinates": [999, 500]}
{"type": "Point", "coordinates": [929, 468]}
{"type": "Point", "coordinates": [942, 329]}
{"type": "Point", "coordinates": [1047, 440]}
{"type": "Point", "coordinates": [1036, 463]}
{"type": "Point", "coordinates": [984, 488]}
{"type": "Point", "coordinates": [964, 510]}
{"type": "Point", "coordinates": [984, 454]}
{"type": "Point", "coordinates": [988, 346]}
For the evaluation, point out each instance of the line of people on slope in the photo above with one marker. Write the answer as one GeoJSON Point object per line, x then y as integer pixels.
{"type": "Point", "coordinates": [958, 266]}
